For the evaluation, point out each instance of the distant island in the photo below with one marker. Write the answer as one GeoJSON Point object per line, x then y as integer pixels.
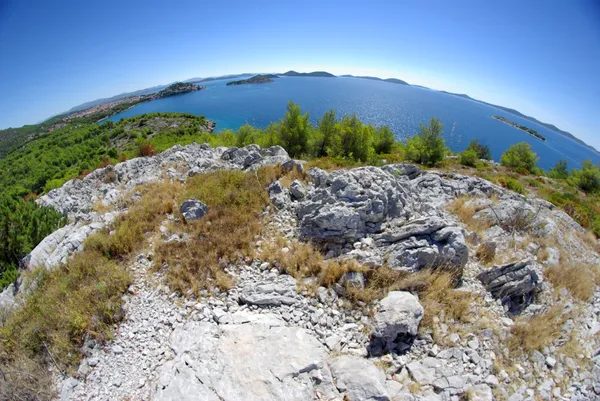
{"type": "Point", "coordinates": [308, 74]}
{"type": "Point", "coordinates": [177, 89]}
{"type": "Point", "coordinates": [551, 127]}
{"type": "Point", "coordinates": [257, 79]}
{"type": "Point", "coordinates": [527, 130]}
{"type": "Point", "coordinates": [390, 80]}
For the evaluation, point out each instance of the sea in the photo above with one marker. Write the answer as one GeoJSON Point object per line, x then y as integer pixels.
{"type": "Point", "coordinates": [403, 108]}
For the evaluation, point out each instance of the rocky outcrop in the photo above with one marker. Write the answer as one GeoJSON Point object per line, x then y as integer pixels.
{"type": "Point", "coordinates": [383, 204]}
{"type": "Point", "coordinates": [397, 319]}
{"type": "Point", "coordinates": [515, 284]}
{"type": "Point", "coordinates": [358, 379]}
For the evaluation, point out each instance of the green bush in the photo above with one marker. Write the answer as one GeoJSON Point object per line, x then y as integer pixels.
{"type": "Point", "coordinates": [428, 146]}
{"type": "Point", "coordinates": [468, 158]}
{"type": "Point", "coordinates": [512, 184]}
{"type": "Point", "coordinates": [482, 151]}
{"type": "Point", "coordinates": [587, 178]}
{"type": "Point", "coordinates": [520, 157]}
{"type": "Point", "coordinates": [559, 171]}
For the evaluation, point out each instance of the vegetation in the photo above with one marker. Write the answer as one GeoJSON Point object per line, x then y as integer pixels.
{"type": "Point", "coordinates": [257, 79]}
{"type": "Point", "coordinates": [468, 157]}
{"type": "Point", "coordinates": [427, 147]}
{"type": "Point", "coordinates": [23, 224]}
{"type": "Point", "coordinates": [527, 130]}
{"type": "Point", "coordinates": [521, 158]}
{"type": "Point", "coordinates": [482, 151]}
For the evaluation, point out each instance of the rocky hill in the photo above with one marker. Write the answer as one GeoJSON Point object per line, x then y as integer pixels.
{"type": "Point", "coordinates": [372, 283]}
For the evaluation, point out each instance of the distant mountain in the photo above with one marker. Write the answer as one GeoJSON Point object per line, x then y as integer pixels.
{"type": "Point", "coordinates": [208, 79]}
{"type": "Point", "coordinates": [257, 79]}
{"type": "Point", "coordinates": [551, 127]}
{"type": "Point", "coordinates": [390, 80]}
{"type": "Point", "coordinates": [292, 73]}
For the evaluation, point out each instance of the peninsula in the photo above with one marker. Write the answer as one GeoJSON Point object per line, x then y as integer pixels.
{"type": "Point", "coordinates": [527, 130]}
{"type": "Point", "coordinates": [257, 79]}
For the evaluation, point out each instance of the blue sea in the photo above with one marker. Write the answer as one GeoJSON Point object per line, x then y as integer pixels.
{"type": "Point", "coordinates": [403, 108]}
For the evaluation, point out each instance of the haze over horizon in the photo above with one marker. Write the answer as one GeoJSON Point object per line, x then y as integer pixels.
{"type": "Point", "coordinates": [538, 57]}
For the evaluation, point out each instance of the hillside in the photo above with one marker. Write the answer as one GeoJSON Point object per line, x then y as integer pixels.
{"type": "Point", "coordinates": [257, 79]}
{"type": "Point", "coordinates": [307, 74]}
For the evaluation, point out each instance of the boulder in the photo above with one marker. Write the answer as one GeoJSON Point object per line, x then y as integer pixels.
{"type": "Point", "coordinates": [397, 319]}
{"type": "Point", "coordinates": [425, 242]}
{"type": "Point", "coordinates": [358, 379]}
{"type": "Point", "coordinates": [515, 284]}
{"type": "Point", "coordinates": [293, 165]}
{"type": "Point", "coordinates": [193, 210]}
{"type": "Point", "coordinates": [297, 190]}
{"type": "Point", "coordinates": [278, 195]}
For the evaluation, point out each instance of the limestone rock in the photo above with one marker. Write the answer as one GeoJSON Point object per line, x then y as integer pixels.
{"type": "Point", "coordinates": [282, 291]}
{"type": "Point", "coordinates": [297, 190]}
{"type": "Point", "coordinates": [398, 316]}
{"type": "Point", "coordinates": [231, 363]}
{"type": "Point", "coordinates": [515, 284]}
{"type": "Point", "coordinates": [278, 195]}
{"type": "Point", "coordinates": [359, 379]}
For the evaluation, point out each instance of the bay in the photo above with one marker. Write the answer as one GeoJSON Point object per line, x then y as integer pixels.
{"type": "Point", "coordinates": [403, 108]}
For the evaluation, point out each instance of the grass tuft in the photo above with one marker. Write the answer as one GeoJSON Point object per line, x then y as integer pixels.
{"type": "Point", "coordinates": [579, 279]}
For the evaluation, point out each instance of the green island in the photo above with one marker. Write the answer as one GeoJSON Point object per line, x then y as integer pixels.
{"type": "Point", "coordinates": [527, 130]}
{"type": "Point", "coordinates": [257, 79]}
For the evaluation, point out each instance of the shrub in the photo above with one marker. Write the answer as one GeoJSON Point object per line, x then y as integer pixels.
{"type": "Point", "coordinates": [145, 149]}
{"type": "Point", "coordinates": [559, 171]}
{"type": "Point", "coordinates": [468, 158]}
{"type": "Point", "coordinates": [587, 178]}
{"type": "Point", "coordinates": [384, 140]}
{"type": "Point", "coordinates": [512, 184]}
{"type": "Point", "coordinates": [482, 151]}
{"type": "Point", "coordinates": [520, 157]}
{"type": "Point", "coordinates": [428, 146]}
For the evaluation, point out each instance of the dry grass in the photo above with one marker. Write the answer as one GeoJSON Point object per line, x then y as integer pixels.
{"type": "Point", "coordinates": [579, 279]}
{"type": "Point", "coordinates": [302, 260]}
{"type": "Point", "coordinates": [486, 253]}
{"type": "Point", "coordinates": [533, 333]}
{"type": "Point", "coordinates": [287, 179]}
{"type": "Point", "coordinates": [436, 290]}
{"type": "Point", "coordinates": [463, 208]}
{"type": "Point", "coordinates": [79, 299]}
{"type": "Point", "coordinates": [226, 234]}
{"type": "Point", "coordinates": [589, 240]}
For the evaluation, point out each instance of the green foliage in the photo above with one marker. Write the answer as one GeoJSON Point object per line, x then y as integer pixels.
{"type": "Point", "coordinates": [384, 140]}
{"type": "Point", "coordinates": [512, 184]}
{"type": "Point", "coordinates": [559, 171]}
{"type": "Point", "coordinates": [428, 146]}
{"type": "Point", "coordinates": [520, 157]}
{"type": "Point", "coordinates": [482, 151]}
{"type": "Point", "coordinates": [23, 224]}
{"type": "Point", "coordinates": [468, 157]}
{"type": "Point", "coordinates": [295, 131]}
{"type": "Point", "coordinates": [587, 178]}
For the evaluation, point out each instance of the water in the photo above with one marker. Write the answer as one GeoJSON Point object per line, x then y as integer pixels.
{"type": "Point", "coordinates": [402, 108]}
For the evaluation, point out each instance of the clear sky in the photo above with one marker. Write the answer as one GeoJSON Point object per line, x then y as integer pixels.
{"type": "Point", "coordinates": [541, 57]}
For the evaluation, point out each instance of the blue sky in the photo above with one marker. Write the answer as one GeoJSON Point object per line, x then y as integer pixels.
{"type": "Point", "coordinates": [541, 57]}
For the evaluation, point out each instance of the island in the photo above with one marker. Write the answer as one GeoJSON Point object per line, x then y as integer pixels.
{"type": "Point", "coordinates": [323, 74]}
{"type": "Point", "coordinates": [177, 89]}
{"type": "Point", "coordinates": [390, 80]}
{"type": "Point", "coordinates": [257, 79]}
{"type": "Point", "coordinates": [527, 130]}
